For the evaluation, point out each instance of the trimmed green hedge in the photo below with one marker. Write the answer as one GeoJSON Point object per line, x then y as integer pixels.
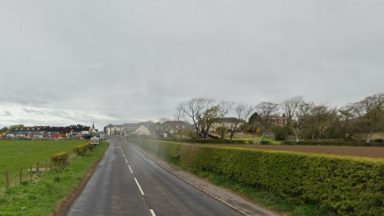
{"type": "Point", "coordinates": [343, 185]}
{"type": "Point", "coordinates": [82, 149]}
{"type": "Point", "coordinates": [60, 158]}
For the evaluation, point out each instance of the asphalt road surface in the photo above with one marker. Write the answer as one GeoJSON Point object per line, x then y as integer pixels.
{"type": "Point", "coordinates": [126, 183]}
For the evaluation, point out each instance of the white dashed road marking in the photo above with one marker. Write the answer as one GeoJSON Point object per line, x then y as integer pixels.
{"type": "Point", "coordinates": [138, 185]}
{"type": "Point", "coordinates": [130, 169]}
{"type": "Point", "coordinates": [152, 212]}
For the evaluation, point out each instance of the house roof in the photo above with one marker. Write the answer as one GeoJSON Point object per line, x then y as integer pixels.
{"type": "Point", "coordinates": [229, 120]}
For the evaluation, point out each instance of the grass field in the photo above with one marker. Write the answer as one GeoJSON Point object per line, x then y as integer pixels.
{"type": "Point", "coordinates": [43, 195]}
{"type": "Point", "coordinates": [21, 154]}
{"type": "Point", "coordinates": [255, 139]}
{"type": "Point", "coordinates": [370, 152]}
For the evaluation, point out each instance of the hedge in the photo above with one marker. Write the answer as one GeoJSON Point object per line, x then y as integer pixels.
{"type": "Point", "coordinates": [343, 185]}
{"type": "Point", "coordinates": [82, 149]}
{"type": "Point", "coordinates": [60, 158]}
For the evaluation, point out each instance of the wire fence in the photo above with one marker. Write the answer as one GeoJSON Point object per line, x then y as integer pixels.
{"type": "Point", "coordinates": [9, 179]}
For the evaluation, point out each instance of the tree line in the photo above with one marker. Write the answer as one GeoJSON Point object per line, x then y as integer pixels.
{"type": "Point", "coordinates": [301, 119]}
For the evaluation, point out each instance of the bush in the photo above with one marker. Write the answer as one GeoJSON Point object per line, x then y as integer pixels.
{"type": "Point", "coordinates": [60, 158]}
{"type": "Point", "coordinates": [265, 142]}
{"type": "Point", "coordinates": [280, 133]}
{"type": "Point", "coordinates": [343, 185]}
{"type": "Point", "coordinates": [82, 149]}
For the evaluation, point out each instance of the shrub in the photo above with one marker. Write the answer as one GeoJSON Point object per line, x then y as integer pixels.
{"type": "Point", "coordinates": [82, 149]}
{"type": "Point", "coordinates": [265, 142]}
{"type": "Point", "coordinates": [343, 185]}
{"type": "Point", "coordinates": [280, 133]}
{"type": "Point", "coordinates": [60, 158]}
{"type": "Point", "coordinates": [222, 131]}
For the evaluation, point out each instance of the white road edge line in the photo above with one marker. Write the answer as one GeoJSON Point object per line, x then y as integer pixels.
{"type": "Point", "coordinates": [138, 185]}
{"type": "Point", "coordinates": [152, 212]}
{"type": "Point", "coordinates": [130, 169]}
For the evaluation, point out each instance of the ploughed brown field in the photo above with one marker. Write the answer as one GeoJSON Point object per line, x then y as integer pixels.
{"type": "Point", "coordinates": [372, 152]}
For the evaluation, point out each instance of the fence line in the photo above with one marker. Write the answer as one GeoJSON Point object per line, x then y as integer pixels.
{"type": "Point", "coordinates": [10, 179]}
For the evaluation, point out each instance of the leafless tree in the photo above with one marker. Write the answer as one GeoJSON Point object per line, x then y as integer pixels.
{"type": "Point", "coordinates": [243, 112]}
{"type": "Point", "coordinates": [266, 110]}
{"type": "Point", "coordinates": [210, 115]}
{"type": "Point", "coordinates": [202, 112]}
{"type": "Point", "coordinates": [321, 118]}
{"type": "Point", "coordinates": [370, 113]}
{"type": "Point", "coordinates": [347, 117]}
{"type": "Point", "coordinates": [299, 119]}
{"type": "Point", "coordinates": [178, 117]}
{"type": "Point", "coordinates": [194, 110]}
{"type": "Point", "coordinates": [290, 108]}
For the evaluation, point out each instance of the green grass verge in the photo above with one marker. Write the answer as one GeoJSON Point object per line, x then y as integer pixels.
{"type": "Point", "coordinates": [43, 195]}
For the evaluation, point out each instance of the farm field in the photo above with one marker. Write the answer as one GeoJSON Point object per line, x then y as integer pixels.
{"type": "Point", "coordinates": [44, 194]}
{"type": "Point", "coordinates": [22, 154]}
{"type": "Point", "coordinates": [371, 152]}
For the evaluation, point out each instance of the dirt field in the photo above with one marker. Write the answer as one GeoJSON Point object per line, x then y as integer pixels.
{"type": "Point", "coordinates": [372, 152]}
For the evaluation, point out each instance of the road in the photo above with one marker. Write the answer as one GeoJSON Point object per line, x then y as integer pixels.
{"type": "Point", "coordinates": [127, 183]}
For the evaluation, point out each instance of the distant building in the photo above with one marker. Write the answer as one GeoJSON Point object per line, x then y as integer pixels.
{"type": "Point", "coordinates": [173, 127]}
{"type": "Point", "coordinates": [113, 129]}
{"type": "Point", "coordinates": [48, 132]}
{"type": "Point", "coordinates": [277, 120]}
{"type": "Point", "coordinates": [146, 128]}
{"type": "Point", "coordinates": [227, 122]}
{"type": "Point", "coordinates": [142, 130]}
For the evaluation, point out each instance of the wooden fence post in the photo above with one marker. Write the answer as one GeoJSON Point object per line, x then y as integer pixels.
{"type": "Point", "coordinates": [7, 180]}
{"type": "Point", "coordinates": [21, 176]}
{"type": "Point", "coordinates": [37, 168]}
{"type": "Point", "coordinates": [30, 173]}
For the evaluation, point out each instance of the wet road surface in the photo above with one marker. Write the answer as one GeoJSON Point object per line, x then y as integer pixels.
{"type": "Point", "coordinates": [127, 183]}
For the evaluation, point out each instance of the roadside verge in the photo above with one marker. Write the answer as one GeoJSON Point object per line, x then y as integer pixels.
{"type": "Point", "coordinates": [64, 207]}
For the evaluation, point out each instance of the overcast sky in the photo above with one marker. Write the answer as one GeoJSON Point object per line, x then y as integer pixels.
{"type": "Point", "coordinates": [78, 61]}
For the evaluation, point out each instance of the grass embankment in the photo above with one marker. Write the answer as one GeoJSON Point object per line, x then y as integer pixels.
{"type": "Point", "coordinates": [43, 195]}
{"type": "Point", "coordinates": [294, 183]}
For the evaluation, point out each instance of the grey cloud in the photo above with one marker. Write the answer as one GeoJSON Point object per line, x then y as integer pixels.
{"type": "Point", "coordinates": [6, 113]}
{"type": "Point", "coordinates": [137, 59]}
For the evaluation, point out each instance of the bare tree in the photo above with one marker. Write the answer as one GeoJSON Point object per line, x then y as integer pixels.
{"type": "Point", "coordinates": [370, 113]}
{"type": "Point", "coordinates": [299, 119]}
{"type": "Point", "coordinates": [202, 113]}
{"type": "Point", "coordinates": [347, 118]}
{"type": "Point", "coordinates": [178, 117]}
{"type": "Point", "coordinates": [194, 109]}
{"type": "Point", "coordinates": [290, 108]}
{"type": "Point", "coordinates": [266, 110]}
{"type": "Point", "coordinates": [243, 112]}
{"type": "Point", "coordinates": [323, 117]}
{"type": "Point", "coordinates": [210, 115]}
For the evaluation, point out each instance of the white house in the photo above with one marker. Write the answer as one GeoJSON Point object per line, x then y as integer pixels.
{"type": "Point", "coordinates": [142, 130]}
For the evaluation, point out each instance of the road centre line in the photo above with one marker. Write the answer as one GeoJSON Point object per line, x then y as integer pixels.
{"type": "Point", "coordinates": [130, 169]}
{"type": "Point", "coordinates": [138, 185]}
{"type": "Point", "coordinates": [152, 212]}
{"type": "Point", "coordinates": [126, 161]}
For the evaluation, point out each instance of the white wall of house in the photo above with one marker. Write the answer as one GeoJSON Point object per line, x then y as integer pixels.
{"type": "Point", "coordinates": [142, 130]}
